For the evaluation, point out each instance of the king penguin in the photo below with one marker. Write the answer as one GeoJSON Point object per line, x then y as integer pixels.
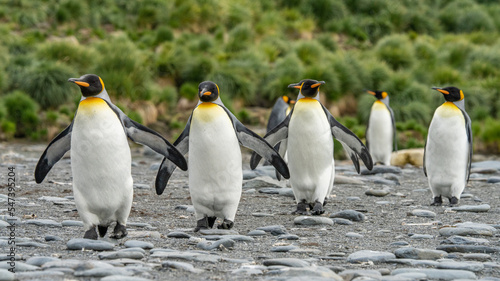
{"type": "Point", "coordinates": [448, 149]}
{"type": "Point", "coordinates": [212, 137]}
{"type": "Point", "coordinates": [381, 129]}
{"type": "Point", "coordinates": [310, 129]}
{"type": "Point", "coordinates": [280, 110]}
{"type": "Point", "coordinates": [100, 158]}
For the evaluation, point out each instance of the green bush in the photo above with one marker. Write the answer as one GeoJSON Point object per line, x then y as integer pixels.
{"type": "Point", "coordinates": [464, 16]}
{"type": "Point", "coordinates": [445, 75]}
{"type": "Point", "coordinates": [21, 110]}
{"type": "Point", "coordinates": [8, 128]}
{"type": "Point", "coordinates": [309, 52]}
{"type": "Point", "coordinates": [189, 90]}
{"type": "Point", "coordinates": [239, 38]}
{"type": "Point", "coordinates": [287, 70]}
{"type": "Point", "coordinates": [79, 57]}
{"type": "Point", "coordinates": [46, 82]}
{"type": "Point", "coordinates": [396, 51]}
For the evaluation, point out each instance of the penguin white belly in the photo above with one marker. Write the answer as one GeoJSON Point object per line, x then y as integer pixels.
{"type": "Point", "coordinates": [101, 165]}
{"type": "Point", "coordinates": [215, 174]}
{"type": "Point", "coordinates": [380, 133]}
{"type": "Point", "coordinates": [310, 152]}
{"type": "Point", "coordinates": [446, 152]}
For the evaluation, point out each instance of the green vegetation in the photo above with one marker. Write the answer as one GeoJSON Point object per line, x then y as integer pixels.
{"type": "Point", "coordinates": [161, 50]}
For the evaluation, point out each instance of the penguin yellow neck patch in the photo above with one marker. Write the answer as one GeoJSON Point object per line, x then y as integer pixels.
{"type": "Point", "coordinates": [307, 99]}
{"type": "Point", "coordinates": [448, 109]}
{"type": "Point", "coordinates": [207, 111]}
{"type": "Point", "coordinates": [378, 105]}
{"type": "Point", "coordinates": [91, 103]}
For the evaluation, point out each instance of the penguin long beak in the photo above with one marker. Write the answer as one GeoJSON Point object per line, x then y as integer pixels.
{"type": "Point", "coordinates": [371, 93]}
{"type": "Point", "coordinates": [79, 83]}
{"type": "Point", "coordinates": [317, 84]}
{"type": "Point", "coordinates": [295, 85]}
{"type": "Point", "coordinates": [441, 90]}
{"type": "Point", "coordinates": [205, 93]}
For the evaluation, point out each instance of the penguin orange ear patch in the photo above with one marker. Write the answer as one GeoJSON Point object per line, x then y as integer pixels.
{"type": "Point", "coordinates": [461, 95]}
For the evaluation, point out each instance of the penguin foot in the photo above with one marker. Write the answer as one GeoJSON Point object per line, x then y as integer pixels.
{"type": "Point", "coordinates": [211, 221]}
{"type": "Point", "coordinates": [226, 224]}
{"type": "Point", "coordinates": [437, 201]}
{"type": "Point", "coordinates": [120, 231]}
{"type": "Point", "coordinates": [317, 209]}
{"type": "Point", "coordinates": [102, 230]}
{"type": "Point", "coordinates": [301, 208]}
{"type": "Point", "coordinates": [90, 234]}
{"type": "Point", "coordinates": [202, 224]}
{"type": "Point", "coordinates": [453, 201]}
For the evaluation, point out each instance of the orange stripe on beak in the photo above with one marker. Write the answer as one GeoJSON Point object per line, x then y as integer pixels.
{"type": "Point", "coordinates": [371, 92]}
{"type": "Point", "coordinates": [83, 84]}
{"type": "Point", "coordinates": [207, 93]}
{"type": "Point", "coordinates": [443, 91]}
{"type": "Point", "coordinates": [315, 85]}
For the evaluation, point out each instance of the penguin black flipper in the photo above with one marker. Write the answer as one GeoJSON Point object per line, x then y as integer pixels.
{"type": "Point", "coordinates": [141, 134]}
{"type": "Point", "coordinates": [423, 163]}
{"type": "Point", "coordinates": [53, 153]}
{"type": "Point", "coordinates": [468, 129]}
{"type": "Point", "coordinates": [394, 139]}
{"type": "Point", "coordinates": [351, 143]}
{"type": "Point", "coordinates": [167, 167]}
{"type": "Point", "coordinates": [255, 142]}
{"type": "Point", "coordinates": [273, 137]}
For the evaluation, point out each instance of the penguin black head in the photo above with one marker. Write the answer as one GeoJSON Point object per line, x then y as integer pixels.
{"type": "Point", "coordinates": [90, 84]}
{"type": "Point", "coordinates": [452, 94]}
{"type": "Point", "coordinates": [378, 94]}
{"type": "Point", "coordinates": [308, 87]}
{"type": "Point", "coordinates": [208, 91]}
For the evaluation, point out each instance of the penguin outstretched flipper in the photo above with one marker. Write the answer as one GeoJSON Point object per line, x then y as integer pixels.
{"type": "Point", "coordinates": [253, 141]}
{"type": "Point", "coordinates": [167, 167]}
{"type": "Point", "coordinates": [351, 143]}
{"type": "Point", "coordinates": [273, 137]}
{"type": "Point", "coordinates": [143, 135]}
{"type": "Point", "coordinates": [53, 153]}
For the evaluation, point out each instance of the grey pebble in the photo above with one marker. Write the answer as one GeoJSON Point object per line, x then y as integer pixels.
{"type": "Point", "coordinates": [44, 222]}
{"type": "Point", "coordinates": [20, 266]}
{"type": "Point", "coordinates": [493, 180]}
{"type": "Point", "coordinates": [273, 229]}
{"type": "Point", "coordinates": [489, 164]}
{"type": "Point", "coordinates": [49, 238]}
{"type": "Point", "coordinates": [472, 208]}
{"type": "Point", "coordinates": [477, 257]}
{"type": "Point", "coordinates": [187, 208]}
{"type": "Point", "coordinates": [138, 244]}
{"type": "Point", "coordinates": [468, 249]}
{"type": "Point", "coordinates": [72, 223]}
{"type": "Point", "coordinates": [310, 273]}
{"type": "Point", "coordinates": [290, 262]}
{"type": "Point", "coordinates": [341, 221]}
{"type": "Point", "coordinates": [256, 232]}
{"type": "Point", "coordinates": [39, 275]}
{"type": "Point", "coordinates": [182, 266]}
{"type": "Point", "coordinates": [351, 274]}
{"type": "Point", "coordinates": [377, 192]}
{"type": "Point", "coordinates": [154, 166]}
{"type": "Point", "coordinates": [350, 215]}
{"type": "Point", "coordinates": [288, 237]}
{"type": "Point", "coordinates": [123, 278]}
{"type": "Point", "coordinates": [353, 198]}
{"type": "Point", "coordinates": [287, 192]}
{"type": "Point", "coordinates": [399, 244]}
{"type": "Point", "coordinates": [8, 257]}
{"type": "Point", "coordinates": [463, 240]}
{"type": "Point", "coordinates": [381, 169]}
{"type": "Point", "coordinates": [270, 190]}
{"type": "Point", "coordinates": [101, 272]}
{"type": "Point", "coordinates": [464, 231]}
{"type": "Point", "coordinates": [263, 182]}
{"type": "Point", "coordinates": [6, 275]}
{"type": "Point", "coordinates": [247, 271]}
{"type": "Point", "coordinates": [283, 248]}
{"type": "Point", "coordinates": [141, 186]}
{"type": "Point", "coordinates": [178, 234]}
{"type": "Point", "coordinates": [421, 236]}
{"type": "Point", "coordinates": [75, 264]}
{"type": "Point", "coordinates": [441, 274]}
{"type": "Point", "coordinates": [262, 215]}
{"type": "Point", "coordinates": [32, 244]}
{"type": "Point", "coordinates": [306, 220]}
{"type": "Point", "coordinates": [249, 174]}
{"type": "Point", "coordinates": [140, 224]}
{"type": "Point", "coordinates": [217, 231]}
{"type": "Point", "coordinates": [469, 266]}
{"type": "Point", "coordinates": [4, 224]}
{"type": "Point", "coordinates": [420, 254]}
{"type": "Point", "coordinates": [340, 179]}
{"type": "Point", "coordinates": [219, 244]}
{"type": "Point", "coordinates": [121, 255]}
{"type": "Point", "coordinates": [368, 255]}
{"type": "Point", "coordinates": [88, 244]}
{"type": "Point", "coordinates": [140, 250]}
{"type": "Point", "coordinates": [423, 213]}
{"type": "Point", "coordinates": [353, 235]}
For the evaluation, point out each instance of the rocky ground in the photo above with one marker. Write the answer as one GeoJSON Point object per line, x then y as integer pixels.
{"type": "Point", "coordinates": [377, 227]}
